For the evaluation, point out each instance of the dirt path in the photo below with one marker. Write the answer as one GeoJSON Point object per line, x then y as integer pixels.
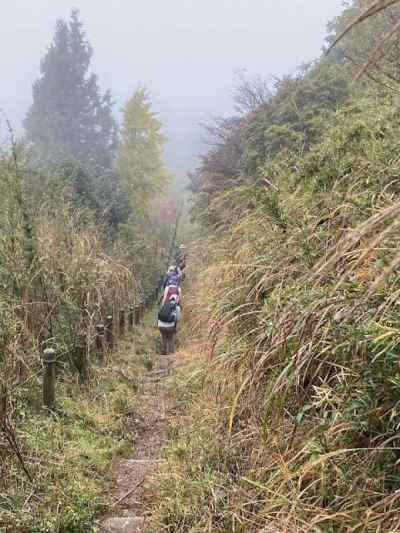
{"type": "Point", "coordinates": [148, 423]}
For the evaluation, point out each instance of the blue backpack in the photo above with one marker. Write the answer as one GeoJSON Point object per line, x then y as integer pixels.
{"type": "Point", "coordinates": [173, 279]}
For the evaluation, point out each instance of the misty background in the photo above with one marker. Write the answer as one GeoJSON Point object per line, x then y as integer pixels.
{"type": "Point", "coordinates": [186, 52]}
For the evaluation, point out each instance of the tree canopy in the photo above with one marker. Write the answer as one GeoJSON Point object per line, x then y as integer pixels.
{"type": "Point", "coordinates": [69, 115]}
{"type": "Point", "coordinates": [140, 154]}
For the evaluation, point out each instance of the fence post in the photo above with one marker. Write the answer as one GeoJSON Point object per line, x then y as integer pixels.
{"type": "Point", "coordinates": [131, 317]}
{"type": "Point", "coordinates": [142, 305]}
{"type": "Point", "coordinates": [100, 340]}
{"type": "Point", "coordinates": [3, 402]}
{"type": "Point", "coordinates": [137, 314]}
{"type": "Point", "coordinates": [122, 321]}
{"type": "Point", "coordinates": [81, 360]}
{"type": "Point", "coordinates": [109, 336]}
{"type": "Point", "coordinates": [49, 377]}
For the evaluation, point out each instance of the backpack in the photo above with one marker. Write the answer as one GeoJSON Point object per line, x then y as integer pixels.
{"type": "Point", "coordinates": [167, 312]}
{"type": "Point", "coordinates": [172, 290]}
{"type": "Point", "coordinates": [172, 279]}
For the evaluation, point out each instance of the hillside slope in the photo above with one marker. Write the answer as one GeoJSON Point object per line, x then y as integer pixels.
{"type": "Point", "coordinates": [294, 408]}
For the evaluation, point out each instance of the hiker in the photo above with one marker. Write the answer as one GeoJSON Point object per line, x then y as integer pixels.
{"type": "Point", "coordinates": [169, 292]}
{"type": "Point", "coordinates": [180, 258]}
{"type": "Point", "coordinates": [179, 273]}
{"type": "Point", "coordinates": [168, 317]}
{"type": "Point", "coordinates": [172, 278]}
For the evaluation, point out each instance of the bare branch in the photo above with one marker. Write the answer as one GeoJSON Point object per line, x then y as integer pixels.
{"type": "Point", "coordinates": [379, 51]}
{"type": "Point", "coordinates": [374, 9]}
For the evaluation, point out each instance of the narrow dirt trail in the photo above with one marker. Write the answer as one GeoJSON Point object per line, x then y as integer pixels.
{"type": "Point", "coordinates": [148, 422]}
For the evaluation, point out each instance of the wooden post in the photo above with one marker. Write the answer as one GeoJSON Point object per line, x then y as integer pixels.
{"type": "Point", "coordinates": [109, 336]}
{"type": "Point", "coordinates": [139, 304]}
{"type": "Point", "coordinates": [80, 358]}
{"type": "Point", "coordinates": [49, 377]}
{"type": "Point", "coordinates": [122, 321]}
{"type": "Point", "coordinates": [100, 340]}
{"type": "Point", "coordinates": [137, 314]}
{"type": "Point", "coordinates": [131, 317]}
{"type": "Point", "coordinates": [3, 402]}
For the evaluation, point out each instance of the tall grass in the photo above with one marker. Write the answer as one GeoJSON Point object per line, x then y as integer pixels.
{"type": "Point", "coordinates": [56, 284]}
{"type": "Point", "coordinates": [301, 389]}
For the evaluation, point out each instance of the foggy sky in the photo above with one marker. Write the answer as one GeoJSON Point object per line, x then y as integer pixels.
{"type": "Point", "coordinates": [185, 51]}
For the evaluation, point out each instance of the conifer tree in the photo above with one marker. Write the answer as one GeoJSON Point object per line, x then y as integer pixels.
{"type": "Point", "coordinates": [69, 116]}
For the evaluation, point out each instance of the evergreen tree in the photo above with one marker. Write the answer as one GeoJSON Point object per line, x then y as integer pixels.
{"type": "Point", "coordinates": [69, 116]}
{"type": "Point", "coordinates": [140, 152]}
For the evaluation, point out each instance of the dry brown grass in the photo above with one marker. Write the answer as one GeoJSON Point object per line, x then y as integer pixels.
{"type": "Point", "coordinates": [274, 382]}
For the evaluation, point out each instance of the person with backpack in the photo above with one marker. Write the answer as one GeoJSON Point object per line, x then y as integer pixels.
{"type": "Point", "coordinates": [180, 258]}
{"type": "Point", "coordinates": [168, 317]}
{"type": "Point", "coordinates": [172, 277]}
{"type": "Point", "coordinates": [172, 286]}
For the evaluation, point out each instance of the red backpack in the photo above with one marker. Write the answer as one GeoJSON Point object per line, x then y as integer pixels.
{"type": "Point", "coordinates": [172, 290]}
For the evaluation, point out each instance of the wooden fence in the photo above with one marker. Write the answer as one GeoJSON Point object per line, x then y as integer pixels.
{"type": "Point", "coordinates": [107, 334]}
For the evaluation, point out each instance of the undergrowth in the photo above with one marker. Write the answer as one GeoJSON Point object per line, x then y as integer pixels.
{"type": "Point", "coordinates": [69, 453]}
{"type": "Point", "coordinates": [294, 320]}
